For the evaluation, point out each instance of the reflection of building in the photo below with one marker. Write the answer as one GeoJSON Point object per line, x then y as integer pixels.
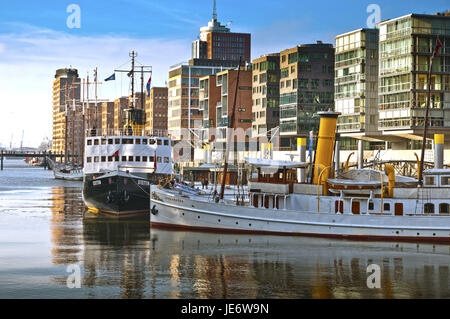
{"type": "Point", "coordinates": [67, 208]}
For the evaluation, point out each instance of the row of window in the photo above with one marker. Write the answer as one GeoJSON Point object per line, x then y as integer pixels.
{"type": "Point", "coordinates": [105, 159]}
{"type": "Point", "coordinates": [118, 141]}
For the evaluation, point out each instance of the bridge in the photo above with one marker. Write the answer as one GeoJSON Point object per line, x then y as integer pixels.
{"type": "Point", "coordinates": [21, 154]}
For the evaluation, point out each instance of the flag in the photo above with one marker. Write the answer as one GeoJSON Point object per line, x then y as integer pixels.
{"type": "Point", "coordinates": [438, 46]}
{"type": "Point", "coordinates": [148, 86]}
{"type": "Point", "coordinates": [116, 154]}
{"type": "Point", "coordinates": [111, 78]}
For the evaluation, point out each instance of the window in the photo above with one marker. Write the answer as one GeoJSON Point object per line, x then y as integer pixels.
{"type": "Point", "coordinates": [158, 142]}
{"type": "Point", "coordinates": [145, 141]}
{"type": "Point", "coordinates": [130, 158]}
{"type": "Point", "coordinates": [96, 158]}
{"type": "Point", "coordinates": [89, 142]}
{"type": "Point", "coordinates": [124, 158]}
{"type": "Point", "coordinates": [159, 159]}
{"type": "Point", "coordinates": [95, 142]}
{"type": "Point", "coordinates": [151, 159]}
{"type": "Point", "coordinates": [103, 141]}
{"type": "Point", "coordinates": [166, 142]}
{"type": "Point", "coordinates": [89, 159]}
{"type": "Point", "coordinates": [138, 141]}
{"type": "Point", "coordinates": [103, 159]}
{"type": "Point", "coordinates": [166, 160]}
{"type": "Point", "coordinates": [138, 158]}
{"type": "Point", "coordinates": [444, 209]}
{"type": "Point", "coordinates": [387, 207]}
{"type": "Point", "coordinates": [110, 159]}
{"type": "Point", "coordinates": [110, 141]}
{"type": "Point", "coordinates": [429, 208]}
{"type": "Point", "coordinates": [430, 180]}
{"type": "Point", "coordinates": [144, 158]}
{"type": "Point", "coordinates": [117, 141]}
{"type": "Point", "coordinates": [445, 180]}
{"type": "Point", "coordinates": [370, 206]}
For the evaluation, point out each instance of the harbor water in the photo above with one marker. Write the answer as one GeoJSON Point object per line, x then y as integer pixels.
{"type": "Point", "coordinates": [46, 237]}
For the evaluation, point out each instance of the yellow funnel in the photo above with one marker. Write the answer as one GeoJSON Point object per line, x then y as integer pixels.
{"type": "Point", "coordinates": [325, 146]}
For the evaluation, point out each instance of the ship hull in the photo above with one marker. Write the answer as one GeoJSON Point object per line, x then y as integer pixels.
{"type": "Point", "coordinates": [185, 212]}
{"type": "Point", "coordinates": [116, 195]}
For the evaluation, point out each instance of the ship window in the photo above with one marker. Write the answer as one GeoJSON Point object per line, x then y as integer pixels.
{"type": "Point", "coordinates": [158, 142]}
{"type": "Point", "coordinates": [152, 141]}
{"type": "Point", "coordinates": [430, 180]}
{"type": "Point", "coordinates": [371, 206]}
{"type": "Point", "coordinates": [117, 141]}
{"type": "Point", "coordinates": [144, 158]}
{"type": "Point", "coordinates": [128, 141]}
{"type": "Point", "coordinates": [145, 141]}
{"type": "Point", "coordinates": [110, 159]}
{"type": "Point", "coordinates": [95, 142]}
{"type": "Point", "coordinates": [138, 158]}
{"type": "Point", "coordinates": [124, 158]}
{"type": "Point", "coordinates": [89, 159]}
{"type": "Point", "coordinates": [445, 180]}
{"type": "Point", "coordinates": [110, 141]}
{"type": "Point", "coordinates": [96, 158]}
{"type": "Point", "coordinates": [103, 142]}
{"type": "Point", "coordinates": [166, 142]}
{"type": "Point", "coordinates": [159, 159]}
{"type": "Point", "coordinates": [387, 207]}
{"type": "Point", "coordinates": [151, 159]}
{"type": "Point", "coordinates": [138, 141]}
{"type": "Point", "coordinates": [429, 208]}
{"type": "Point", "coordinates": [89, 142]}
{"type": "Point", "coordinates": [166, 160]}
{"type": "Point", "coordinates": [130, 158]}
{"type": "Point", "coordinates": [103, 158]}
{"type": "Point", "coordinates": [116, 158]}
{"type": "Point", "coordinates": [444, 209]}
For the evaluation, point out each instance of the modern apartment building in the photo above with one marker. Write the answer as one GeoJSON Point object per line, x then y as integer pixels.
{"type": "Point", "coordinates": [217, 96]}
{"type": "Point", "coordinates": [217, 42]}
{"type": "Point", "coordinates": [306, 87]}
{"type": "Point", "coordinates": [107, 118]}
{"type": "Point", "coordinates": [156, 109]}
{"type": "Point", "coordinates": [120, 105]}
{"type": "Point", "coordinates": [184, 112]}
{"type": "Point", "coordinates": [67, 113]}
{"type": "Point", "coordinates": [266, 95]}
{"type": "Point", "coordinates": [406, 45]}
{"type": "Point", "coordinates": [356, 84]}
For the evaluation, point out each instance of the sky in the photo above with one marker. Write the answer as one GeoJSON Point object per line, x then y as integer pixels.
{"type": "Point", "coordinates": [36, 39]}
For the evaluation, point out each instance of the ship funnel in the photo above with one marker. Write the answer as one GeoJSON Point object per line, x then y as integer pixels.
{"type": "Point", "coordinates": [325, 146]}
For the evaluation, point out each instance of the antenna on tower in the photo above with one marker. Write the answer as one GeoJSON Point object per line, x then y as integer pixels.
{"type": "Point", "coordinates": [215, 11]}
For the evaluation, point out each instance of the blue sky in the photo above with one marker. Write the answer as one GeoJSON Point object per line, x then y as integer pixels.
{"type": "Point", "coordinates": [35, 41]}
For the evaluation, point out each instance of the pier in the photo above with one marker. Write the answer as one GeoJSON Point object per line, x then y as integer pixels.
{"type": "Point", "coordinates": [21, 154]}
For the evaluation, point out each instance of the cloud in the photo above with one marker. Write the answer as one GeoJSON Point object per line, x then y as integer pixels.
{"type": "Point", "coordinates": [28, 66]}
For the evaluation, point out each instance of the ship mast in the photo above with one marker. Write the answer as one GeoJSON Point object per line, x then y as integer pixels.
{"type": "Point", "coordinates": [425, 129]}
{"type": "Point", "coordinates": [228, 132]}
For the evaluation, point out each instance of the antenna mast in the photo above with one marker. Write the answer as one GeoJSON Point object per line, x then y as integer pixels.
{"type": "Point", "coordinates": [214, 11]}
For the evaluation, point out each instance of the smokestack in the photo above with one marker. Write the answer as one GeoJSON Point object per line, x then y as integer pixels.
{"type": "Point", "coordinates": [439, 151]}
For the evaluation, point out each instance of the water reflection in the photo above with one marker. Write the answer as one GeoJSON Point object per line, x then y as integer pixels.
{"type": "Point", "coordinates": [127, 259]}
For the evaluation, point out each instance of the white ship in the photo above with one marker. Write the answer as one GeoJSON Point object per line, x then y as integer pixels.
{"type": "Point", "coordinates": [357, 205]}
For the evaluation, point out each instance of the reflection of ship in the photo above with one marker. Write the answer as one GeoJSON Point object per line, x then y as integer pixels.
{"type": "Point", "coordinates": [392, 208]}
{"type": "Point", "coordinates": [116, 254]}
